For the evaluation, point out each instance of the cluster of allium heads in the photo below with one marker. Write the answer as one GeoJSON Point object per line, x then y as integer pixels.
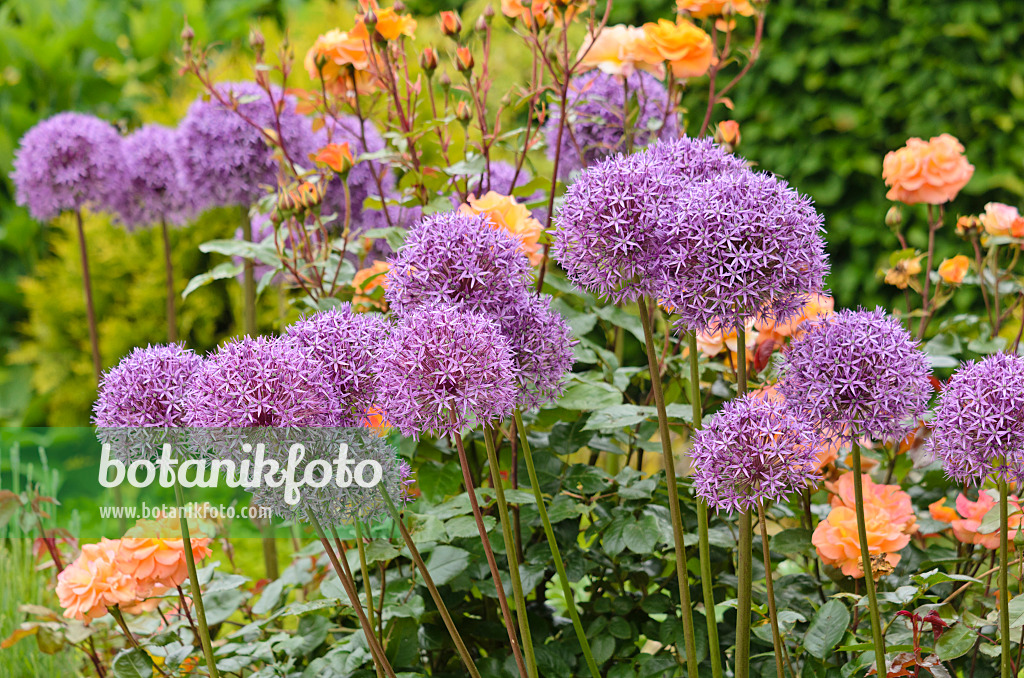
{"type": "Point", "coordinates": [460, 260]}
{"type": "Point", "coordinates": [266, 381]}
{"type": "Point", "coordinates": [754, 451]}
{"type": "Point", "coordinates": [748, 245]}
{"type": "Point", "coordinates": [542, 353]}
{"type": "Point", "coordinates": [68, 162]}
{"type": "Point", "coordinates": [153, 189]}
{"type": "Point", "coordinates": [856, 374]}
{"type": "Point", "coordinates": [345, 343]}
{"type": "Point", "coordinates": [600, 119]}
{"type": "Point", "coordinates": [224, 159]}
{"type": "Point", "coordinates": [978, 428]}
{"type": "Point", "coordinates": [618, 224]}
{"type": "Point", "coordinates": [696, 159]}
{"type": "Point", "coordinates": [443, 369]}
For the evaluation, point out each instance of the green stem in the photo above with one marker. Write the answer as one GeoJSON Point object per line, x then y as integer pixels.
{"type": "Point", "coordinates": [745, 568]}
{"type": "Point", "coordinates": [510, 553]}
{"type": "Point", "coordinates": [865, 556]}
{"type": "Point", "coordinates": [248, 282]}
{"type": "Point", "coordinates": [1004, 591]}
{"type": "Point", "coordinates": [343, 558]}
{"type": "Point", "coordinates": [673, 490]}
{"type": "Point", "coordinates": [463, 651]}
{"type": "Point", "coordinates": [549, 532]}
{"type": "Point", "coordinates": [365, 571]}
{"type": "Point", "coordinates": [773, 613]}
{"type": "Point", "coordinates": [193, 578]}
{"type": "Point", "coordinates": [714, 649]}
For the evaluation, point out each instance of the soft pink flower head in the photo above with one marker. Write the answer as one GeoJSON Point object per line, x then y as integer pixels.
{"type": "Point", "coordinates": [930, 172]}
{"type": "Point", "coordinates": [94, 582]}
{"type": "Point", "coordinates": [972, 513]}
{"type": "Point", "coordinates": [1002, 220]}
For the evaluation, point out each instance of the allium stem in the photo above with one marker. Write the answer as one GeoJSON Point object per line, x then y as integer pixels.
{"type": "Point", "coordinates": [773, 613]}
{"type": "Point", "coordinates": [673, 489]}
{"type": "Point", "coordinates": [865, 555]}
{"type": "Point", "coordinates": [248, 282]}
{"type": "Point", "coordinates": [376, 651]}
{"type": "Point", "coordinates": [744, 570]}
{"type": "Point", "coordinates": [704, 545]}
{"type": "Point", "coordinates": [506, 613]}
{"type": "Point", "coordinates": [365, 571]}
{"type": "Point", "coordinates": [510, 553]}
{"type": "Point", "coordinates": [193, 578]}
{"type": "Point", "coordinates": [1004, 592]}
{"type": "Point", "coordinates": [90, 309]}
{"type": "Point", "coordinates": [467, 659]}
{"type": "Point", "coordinates": [343, 559]}
{"type": "Point", "coordinates": [172, 318]}
{"type": "Point", "coordinates": [549, 532]}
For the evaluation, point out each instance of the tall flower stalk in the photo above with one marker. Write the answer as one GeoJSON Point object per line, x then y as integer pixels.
{"type": "Point", "coordinates": [744, 570]}
{"type": "Point", "coordinates": [193, 579]}
{"type": "Point", "coordinates": [865, 556]}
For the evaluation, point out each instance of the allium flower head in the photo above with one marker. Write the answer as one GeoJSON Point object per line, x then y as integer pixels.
{"type": "Point", "coordinates": [67, 162]}
{"type": "Point", "coordinates": [152, 190]}
{"type": "Point", "coordinates": [224, 158]}
{"type": "Point", "coordinates": [617, 225]}
{"type": "Point", "coordinates": [978, 428]}
{"type": "Point", "coordinates": [542, 354]}
{"type": "Point", "coordinates": [458, 259]}
{"type": "Point", "coordinates": [148, 388]}
{"type": "Point", "coordinates": [345, 343]}
{"type": "Point", "coordinates": [752, 452]}
{"type": "Point", "coordinates": [266, 381]}
{"type": "Point", "coordinates": [748, 246]}
{"type": "Point", "coordinates": [857, 373]}
{"type": "Point", "coordinates": [443, 369]}
{"type": "Point", "coordinates": [597, 116]}
{"type": "Point", "coordinates": [696, 159]}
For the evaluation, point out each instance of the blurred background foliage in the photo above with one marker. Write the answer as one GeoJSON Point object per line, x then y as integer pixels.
{"type": "Point", "coordinates": [841, 82]}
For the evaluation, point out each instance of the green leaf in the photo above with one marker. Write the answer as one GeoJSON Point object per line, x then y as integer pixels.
{"type": "Point", "coordinates": [827, 628]}
{"type": "Point", "coordinates": [793, 541]}
{"type": "Point", "coordinates": [270, 597]}
{"type": "Point", "coordinates": [464, 527]}
{"type": "Point", "coordinates": [1017, 611]}
{"type": "Point", "coordinates": [955, 642]}
{"type": "Point", "coordinates": [132, 663]}
{"type": "Point", "coordinates": [219, 272]}
{"type": "Point", "coordinates": [473, 165]}
{"type": "Point", "coordinates": [642, 536]}
{"type": "Point", "coordinates": [380, 550]}
{"type": "Point", "coordinates": [602, 647]}
{"type": "Point", "coordinates": [589, 396]}
{"type": "Point", "coordinates": [446, 563]}
{"type": "Point", "coordinates": [618, 416]}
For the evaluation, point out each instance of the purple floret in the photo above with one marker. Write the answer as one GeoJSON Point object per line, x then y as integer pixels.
{"type": "Point", "coordinates": [855, 374]}
{"type": "Point", "coordinates": [68, 162]}
{"type": "Point", "coordinates": [152, 191]}
{"type": "Point", "coordinates": [696, 159]}
{"type": "Point", "coordinates": [443, 369]}
{"type": "Point", "coordinates": [542, 354]}
{"type": "Point", "coordinates": [978, 428]}
{"type": "Point", "coordinates": [596, 118]}
{"type": "Point", "coordinates": [148, 388]}
{"type": "Point", "coordinates": [753, 452]}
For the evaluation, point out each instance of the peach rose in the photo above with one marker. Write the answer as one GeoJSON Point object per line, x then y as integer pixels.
{"type": "Point", "coordinates": [1002, 220]}
{"type": "Point", "coordinates": [686, 48]}
{"type": "Point", "coordinates": [94, 582]}
{"type": "Point", "coordinates": [702, 9]}
{"type": "Point", "coordinates": [338, 50]}
{"type": "Point", "coordinates": [942, 513]}
{"type": "Point", "coordinates": [930, 172]}
{"type": "Point", "coordinates": [972, 513]}
{"type": "Point", "coordinates": [816, 306]}
{"type": "Point", "coordinates": [837, 542]}
{"type": "Point", "coordinates": [504, 212]}
{"type": "Point", "coordinates": [622, 50]}
{"type": "Point", "coordinates": [366, 280]}
{"type": "Point", "coordinates": [153, 553]}
{"type": "Point", "coordinates": [532, 13]}
{"type": "Point", "coordinates": [391, 25]}
{"type": "Point", "coordinates": [953, 270]}
{"type": "Point", "coordinates": [890, 498]}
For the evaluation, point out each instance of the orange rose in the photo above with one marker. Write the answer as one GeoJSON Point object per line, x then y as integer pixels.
{"type": "Point", "coordinates": [890, 498]}
{"type": "Point", "coordinates": [621, 50]}
{"type": "Point", "coordinates": [94, 582]}
{"type": "Point", "coordinates": [334, 52]}
{"type": "Point", "coordinates": [153, 553]}
{"type": "Point", "coordinates": [816, 306]}
{"type": "Point", "coordinates": [367, 280]}
{"type": "Point", "coordinates": [702, 9]}
{"type": "Point", "coordinates": [1002, 220]}
{"type": "Point", "coordinates": [374, 419]}
{"type": "Point", "coordinates": [728, 134]}
{"type": "Point", "coordinates": [942, 513]}
{"type": "Point", "coordinates": [391, 25]}
{"type": "Point", "coordinates": [530, 12]}
{"type": "Point", "coordinates": [837, 542]}
{"type": "Point", "coordinates": [965, 528]}
{"type": "Point", "coordinates": [930, 172]}
{"type": "Point", "coordinates": [686, 48]}
{"type": "Point", "coordinates": [504, 212]}
{"type": "Point", "coordinates": [336, 156]}
{"type": "Point", "coordinates": [711, 344]}
{"type": "Point", "coordinates": [953, 270]}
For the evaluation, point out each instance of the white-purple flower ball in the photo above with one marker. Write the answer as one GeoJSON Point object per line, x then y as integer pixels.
{"type": "Point", "coordinates": [542, 354]}
{"type": "Point", "coordinates": [152, 190]}
{"type": "Point", "coordinates": [148, 388]}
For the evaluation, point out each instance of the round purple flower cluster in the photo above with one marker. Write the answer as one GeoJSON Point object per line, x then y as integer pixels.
{"type": "Point", "coordinates": [542, 354]}
{"type": "Point", "coordinates": [747, 245]}
{"type": "Point", "coordinates": [442, 369]}
{"type": "Point", "coordinates": [753, 452]}
{"type": "Point", "coordinates": [68, 162]}
{"type": "Point", "coordinates": [148, 388]}
{"type": "Point", "coordinates": [978, 428]}
{"type": "Point", "coordinates": [599, 106]}
{"type": "Point", "coordinates": [153, 189]}
{"type": "Point", "coordinates": [696, 159]}
{"type": "Point", "coordinates": [855, 374]}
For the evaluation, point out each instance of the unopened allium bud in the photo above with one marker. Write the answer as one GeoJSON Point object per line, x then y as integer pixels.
{"type": "Point", "coordinates": [451, 24]}
{"type": "Point", "coordinates": [428, 61]}
{"type": "Point", "coordinates": [894, 217]}
{"type": "Point", "coordinates": [464, 59]}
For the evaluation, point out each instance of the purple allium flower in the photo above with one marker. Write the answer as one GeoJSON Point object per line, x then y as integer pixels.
{"type": "Point", "coordinates": [364, 176]}
{"type": "Point", "coordinates": [597, 110]}
{"type": "Point", "coordinates": [752, 452]}
{"type": "Point", "coordinates": [152, 191]}
{"type": "Point", "coordinates": [266, 381]}
{"type": "Point", "coordinates": [443, 369]}
{"type": "Point", "coordinates": [67, 162]}
{"type": "Point", "coordinates": [225, 159]}
{"type": "Point", "coordinates": [856, 373]}
{"type": "Point", "coordinates": [345, 342]}
{"type": "Point", "coordinates": [748, 246]}
{"type": "Point", "coordinates": [459, 259]}
{"type": "Point", "coordinates": [696, 159]}
{"type": "Point", "coordinates": [617, 225]}
{"type": "Point", "coordinates": [542, 352]}
{"type": "Point", "coordinates": [979, 421]}
{"type": "Point", "coordinates": [500, 179]}
{"type": "Point", "coordinates": [147, 388]}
